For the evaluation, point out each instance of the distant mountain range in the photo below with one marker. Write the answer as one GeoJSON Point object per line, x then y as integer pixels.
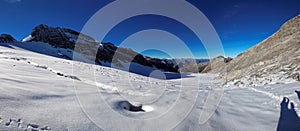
{"type": "Point", "coordinates": [275, 59]}
{"type": "Point", "coordinates": [104, 53]}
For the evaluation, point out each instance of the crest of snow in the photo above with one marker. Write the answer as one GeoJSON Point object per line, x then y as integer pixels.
{"type": "Point", "coordinates": [100, 47]}
{"type": "Point", "coordinates": [28, 38]}
{"type": "Point", "coordinates": [147, 108]}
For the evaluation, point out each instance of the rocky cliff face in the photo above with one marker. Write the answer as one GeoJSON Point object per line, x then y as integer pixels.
{"type": "Point", "coordinates": [5, 38]}
{"type": "Point", "coordinates": [217, 65]}
{"type": "Point", "coordinates": [104, 52]}
{"type": "Point", "coordinates": [108, 52]}
{"type": "Point", "coordinates": [57, 37]}
{"type": "Point", "coordinates": [274, 60]}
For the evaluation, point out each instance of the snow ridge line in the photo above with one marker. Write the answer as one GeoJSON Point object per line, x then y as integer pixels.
{"type": "Point", "coordinates": [42, 67]}
{"type": "Point", "coordinates": [278, 98]}
{"type": "Point", "coordinates": [271, 95]}
{"type": "Point", "coordinates": [116, 90]}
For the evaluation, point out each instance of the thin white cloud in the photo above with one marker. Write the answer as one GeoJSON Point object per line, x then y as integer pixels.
{"type": "Point", "coordinates": [12, 1]}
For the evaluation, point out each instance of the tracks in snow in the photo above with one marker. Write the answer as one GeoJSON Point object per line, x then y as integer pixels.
{"type": "Point", "coordinates": [277, 98]}
{"type": "Point", "coordinates": [58, 73]}
{"type": "Point", "coordinates": [19, 124]}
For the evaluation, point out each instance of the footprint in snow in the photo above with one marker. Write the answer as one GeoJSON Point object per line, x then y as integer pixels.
{"type": "Point", "coordinates": [35, 127]}
{"type": "Point", "coordinates": [31, 127]}
{"type": "Point", "coordinates": [11, 121]}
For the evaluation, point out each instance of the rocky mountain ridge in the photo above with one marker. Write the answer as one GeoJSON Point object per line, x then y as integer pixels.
{"type": "Point", "coordinates": [104, 53]}
{"type": "Point", "coordinates": [6, 38]}
{"type": "Point", "coordinates": [275, 59]}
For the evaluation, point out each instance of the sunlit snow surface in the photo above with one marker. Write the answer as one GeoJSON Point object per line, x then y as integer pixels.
{"type": "Point", "coordinates": [42, 92]}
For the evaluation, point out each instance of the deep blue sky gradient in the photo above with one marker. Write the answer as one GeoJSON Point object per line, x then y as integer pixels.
{"type": "Point", "coordinates": [240, 23]}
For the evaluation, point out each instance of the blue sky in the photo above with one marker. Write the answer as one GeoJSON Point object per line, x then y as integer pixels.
{"type": "Point", "coordinates": [240, 23]}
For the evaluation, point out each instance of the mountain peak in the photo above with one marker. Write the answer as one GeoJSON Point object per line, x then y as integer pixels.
{"type": "Point", "coordinates": [42, 26]}
{"type": "Point", "coordinates": [6, 38]}
{"type": "Point", "coordinates": [57, 37]}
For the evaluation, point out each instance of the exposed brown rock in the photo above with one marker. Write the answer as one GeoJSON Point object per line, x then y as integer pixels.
{"type": "Point", "coordinates": [278, 53]}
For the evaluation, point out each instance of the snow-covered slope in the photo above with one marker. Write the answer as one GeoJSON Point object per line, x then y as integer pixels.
{"type": "Point", "coordinates": [42, 92]}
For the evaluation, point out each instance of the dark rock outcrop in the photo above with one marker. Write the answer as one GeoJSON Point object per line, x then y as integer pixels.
{"type": "Point", "coordinates": [108, 52]}
{"type": "Point", "coordinates": [6, 38]}
{"type": "Point", "coordinates": [228, 59]}
{"type": "Point", "coordinates": [86, 45]}
{"type": "Point", "coordinates": [57, 37]}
